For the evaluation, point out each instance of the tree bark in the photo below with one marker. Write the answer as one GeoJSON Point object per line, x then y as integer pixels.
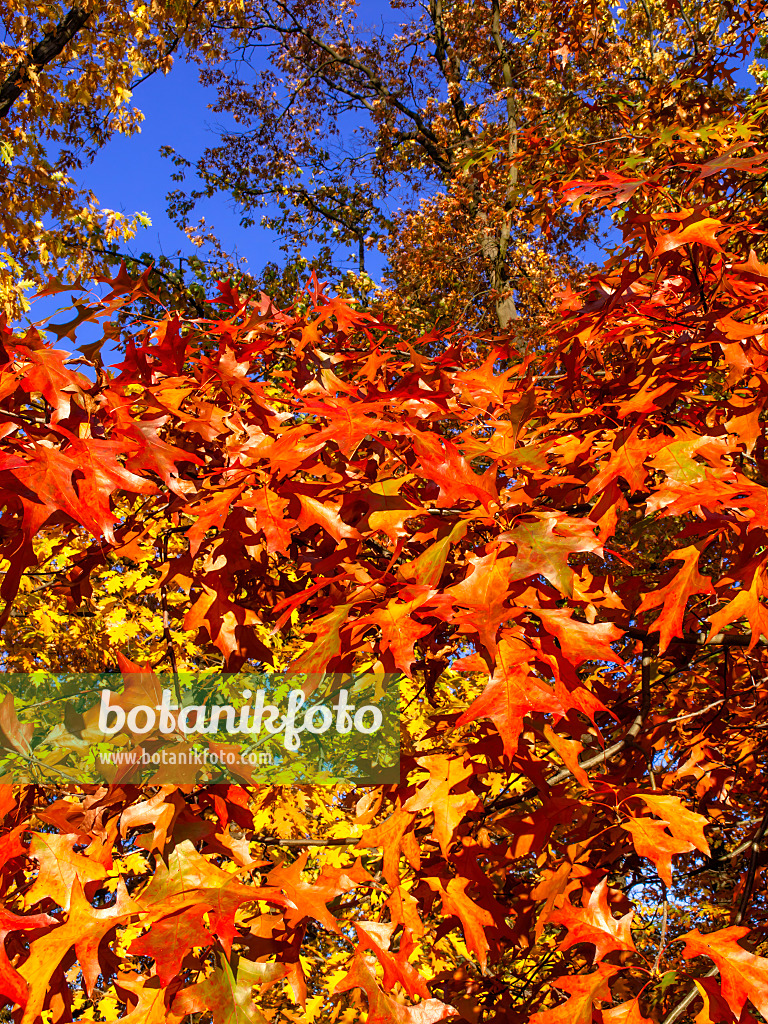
{"type": "Point", "coordinates": [506, 310]}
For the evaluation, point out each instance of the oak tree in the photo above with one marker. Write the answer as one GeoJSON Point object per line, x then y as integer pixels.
{"type": "Point", "coordinates": [418, 133]}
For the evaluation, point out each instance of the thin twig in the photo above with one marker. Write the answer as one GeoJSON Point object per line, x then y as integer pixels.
{"type": "Point", "coordinates": [694, 714]}
{"type": "Point", "coordinates": [64, 696]}
{"type": "Point", "coordinates": [699, 639]}
{"type": "Point", "coordinates": [167, 626]}
{"type": "Point", "coordinates": [663, 936]}
{"type": "Point", "coordinates": [749, 881]}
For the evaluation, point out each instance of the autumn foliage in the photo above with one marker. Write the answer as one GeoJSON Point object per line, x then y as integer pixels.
{"type": "Point", "coordinates": [555, 533]}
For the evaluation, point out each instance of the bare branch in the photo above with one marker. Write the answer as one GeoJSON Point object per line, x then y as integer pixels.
{"type": "Point", "coordinates": [683, 1005]}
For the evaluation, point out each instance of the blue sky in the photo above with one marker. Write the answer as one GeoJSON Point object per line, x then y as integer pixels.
{"type": "Point", "coordinates": [130, 175]}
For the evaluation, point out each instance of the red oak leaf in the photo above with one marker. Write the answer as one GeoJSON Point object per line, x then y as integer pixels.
{"type": "Point", "coordinates": [170, 939]}
{"type": "Point", "coordinates": [625, 1013]}
{"type": "Point", "coordinates": [449, 808]}
{"type": "Point", "coordinates": [651, 840]}
{"type": "Point", "coordinates": [85, 928]}
{"type": "Point", "coordinates": [474, 918]}
{"type": "Point", "coordinates": [681, 822]}
{"type": "Point", "coordinates": [377, 936]}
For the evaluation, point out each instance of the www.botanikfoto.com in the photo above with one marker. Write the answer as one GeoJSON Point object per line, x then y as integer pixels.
{"type": "Point", "coordinates": [224, 758]}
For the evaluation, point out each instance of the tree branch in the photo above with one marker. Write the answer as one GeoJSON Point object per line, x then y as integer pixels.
{"type": "Point", "coordinates": [275, 841]}
{"type": "Point", "coordinates": [506, 310]}
{"type": "Point", "coordinates": [605, 755]}
{"type": "Point", "coordinates": [699, 639]}
{"type": "Point", "coordinates": [754, 848]}
{"type": "Point", "coordinates": [49, 47]}
{"type": "Point", "coordinates": [683, 1005]}
{"type": "Point", "coordinates": [370, 81]}
{"type": "Point", "coordinates": [449, 73]}
{"type": "Point", "coordinates": [172, 45]}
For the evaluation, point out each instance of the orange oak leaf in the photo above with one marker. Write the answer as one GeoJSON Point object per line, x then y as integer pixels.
{"type": "Point", "coordinates": [377, 937]}
{"type": "Point", "coordinates": [584, 990]}
{"type": "Point", "coordinates": [651, 840]}
{"type": "Point", "coordinates": [14, 735]}
{"type": "Point", "coordinates": [308, 899]}
{"type": "Point", "coordinates": [748, 604]}
{"type": "Point", "coordinates": [474, 918]}
{"type": "Point", "coordinates": [327, 643]}
{"type": "Point", "coordinates": [745, 422]}
{"type": "Point", "coordinates": [210, 514]}
{"type": "Point", "coordinates": [609, 189]}
{"type": "Point", "coordinates": [569, 751]}
{"type": "Point", "coordinates": [743, 975]}
{"type": "Point", "coordinates": [45, 374]}
{"type": "Point", "coordinates": [226, 994]}
{"type": "Point", "coordinates": [158, 810]}
{"type": "Point", "coordinates": [318, 513]}
{"type": "Point", "coordinates": [387, 511]}
{"type": "Point", "coordinates": [715, 1009]}
{"type": "Point", "coordinates": [269, 511]}
{"type": "Point", "coordinates": [145, 999]}
{"type": "Point", "coordinates": [347, 425]}
{"type": "Point", "coordinates": [545, 545]}
{"type": "Point", "coordinates": [626, 460]}
{"type": "Point", "coordinates": [580, 641]}
{"type": "Point", "coordinates": [60, 867]}
{"type": "Point", "coordinates": [12, 984]}
{"type": "Point", "coordinates": [171, 937]}
{"type": "Point", "coordinates": [442, 462]}
{"type": "Point", "coordinates": [394, 836]}
{"type": "Point", "coordinates": [681, 822]}
{"type": "Point", "coordinates": [191, 882]}
{"type": "Point", "coordinates": [150, 454]}
{"type": "Point", "coordinates": [399, 630]}
{"type": "Point", "coordinates": [85, 928]}
{"type": "Point", "coordinates": [512, 693]}
{"type": "Point", "coordinates": [445, 774]}
{"type": "Point", "coordinates": [548, 889]}
{"type": "Point", "coordinates": [78, 480]}
{"type": "Point", "coordinates": [594, 923]}
{"type": "Point", "coordinates": [427, 568]}
{"type": "Point", "coordinates": [673, 596]}
{"type": "Point", "coordinates": [625, 1013]}
{"type": "Point", "coordinates": [480, 597]}
{"type": "Point", "coordinates": [220, 618]}
{"type": "Point", "coordinates": [383, 1008]}
{"type": "Point", "coordinates": [701, 231]}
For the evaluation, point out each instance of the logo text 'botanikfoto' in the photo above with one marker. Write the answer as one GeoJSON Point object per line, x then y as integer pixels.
{"type": "Point", "coordinates": [247, 720]}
